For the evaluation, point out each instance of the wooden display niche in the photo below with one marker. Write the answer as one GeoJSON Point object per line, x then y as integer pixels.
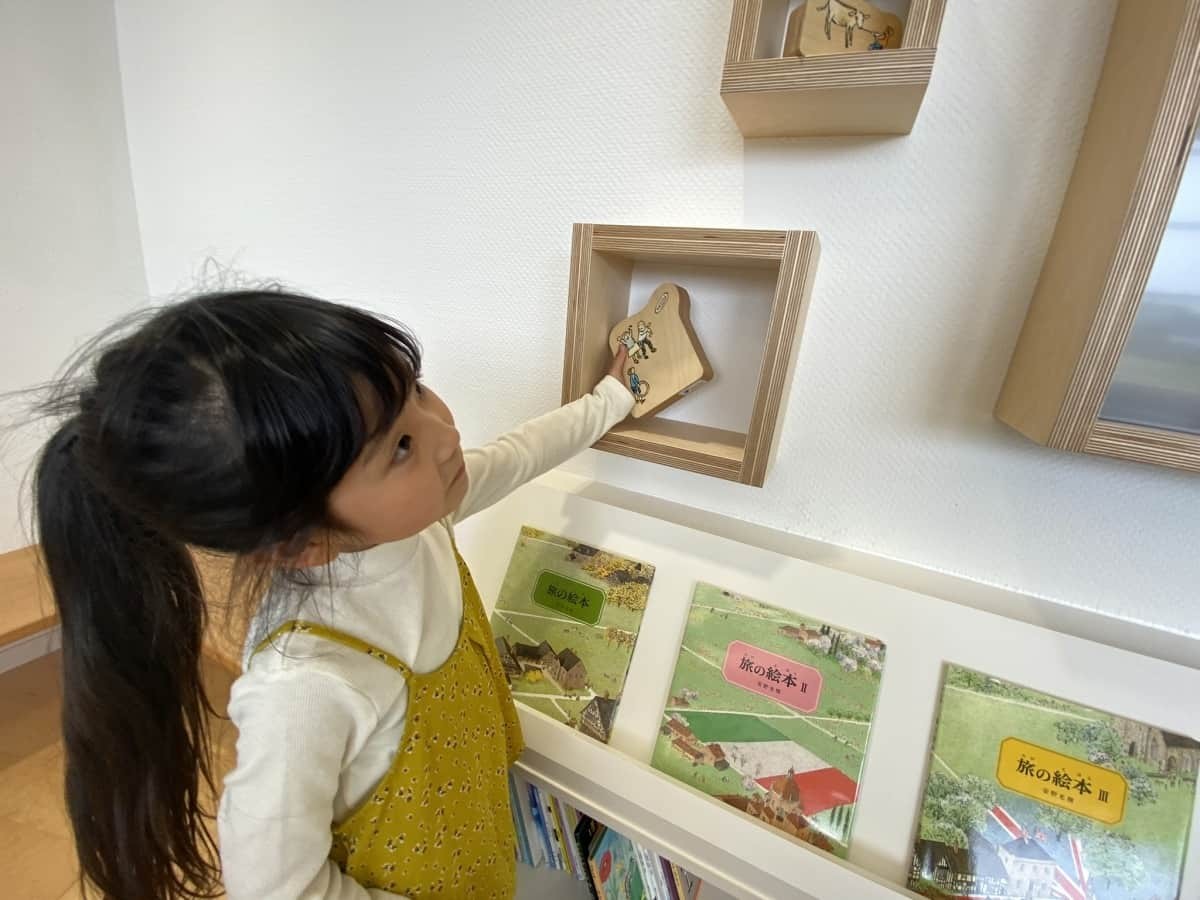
{"type": "Point", "coordinates": [603, 260]}
{"type": "Point", "coordinates": [876, 92]}
{"type": "Point", "coordinates": [27, 608]}
{"type": "Point", "coordinates": [1114, 216]}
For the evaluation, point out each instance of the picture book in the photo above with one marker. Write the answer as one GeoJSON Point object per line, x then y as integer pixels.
{"type": "Point", "coordinates": [615, 868]}
{"type": "Point", "coordinates": [1032, 796]}
{"type": "Point", "coordinates": [543, 827]}
{"type": "Point", "coordinates": [770, 711]}
{"type": "Point", "coordinates": [585, 833]}
{"type": "Point", "coordinates": [611, 866]}
{"type": "Point", "coordinates": [521, 825]}
{"type": "Point", "coordinates": [566, 622]}
{"type": "Point", "coordinates": [568, 821]}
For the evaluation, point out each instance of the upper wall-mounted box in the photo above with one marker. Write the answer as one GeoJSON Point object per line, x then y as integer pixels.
{"type": "Point", "coordinates": [872, 92]}
{"type": "Point", "coordinates": [749, 292]}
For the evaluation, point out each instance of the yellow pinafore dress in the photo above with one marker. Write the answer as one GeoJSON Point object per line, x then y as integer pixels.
{"type": "Point", "coordinates": [439, 823]}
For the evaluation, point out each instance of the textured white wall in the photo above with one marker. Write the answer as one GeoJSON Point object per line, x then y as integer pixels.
{"type": "Point", "coordinates": [70, 258]}
{"type": "Point", "coordinates": [429, 161]}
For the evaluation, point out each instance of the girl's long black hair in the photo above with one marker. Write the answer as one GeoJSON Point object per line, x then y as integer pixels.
{"type": "Point", "coordinates": [222, 422]}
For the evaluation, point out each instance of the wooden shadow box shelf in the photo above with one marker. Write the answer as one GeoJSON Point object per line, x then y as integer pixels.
{"type": "Point", "coordinates": [848, 94]}
{"type": "Point", "coordinates": [750, 291]}
{"type": "Point", "coordinates": [1108, 361]}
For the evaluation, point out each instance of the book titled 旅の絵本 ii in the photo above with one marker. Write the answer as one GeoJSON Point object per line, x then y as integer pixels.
{"type": "Point", "coordinates": [770, 711]}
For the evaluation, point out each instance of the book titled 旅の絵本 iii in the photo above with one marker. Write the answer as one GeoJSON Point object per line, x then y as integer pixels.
{"type": "Point", "coordinates": [1033, 796]}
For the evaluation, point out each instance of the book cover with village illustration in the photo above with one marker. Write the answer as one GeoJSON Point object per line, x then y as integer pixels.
{"type": "Point", "coordinates": [1035, 797]}
{"type": "Point", "coordinates": [566, 622]}
{"type": "Point", "coordinates": [770, 710]}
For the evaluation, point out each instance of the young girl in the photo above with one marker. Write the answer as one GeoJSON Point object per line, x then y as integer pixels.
{"type": "Point", "coordinates": [375, 726]}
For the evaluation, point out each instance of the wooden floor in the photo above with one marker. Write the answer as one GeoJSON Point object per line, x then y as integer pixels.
{"type": "Point", "coordinates": [38, 862]}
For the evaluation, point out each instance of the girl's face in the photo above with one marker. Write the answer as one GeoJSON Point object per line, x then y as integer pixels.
{"type": "Point", "coordinates": [406, 479]}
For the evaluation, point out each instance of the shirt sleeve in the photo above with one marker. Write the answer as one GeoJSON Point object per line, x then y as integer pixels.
{"type": "Point", "coordinates": [497, 469]}
{"type": "Point", "coordinates": [296, 731]}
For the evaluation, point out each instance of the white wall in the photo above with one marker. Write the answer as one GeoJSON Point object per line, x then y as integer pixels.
{"type": "Point", "coordinates": [70, 257]}
{"type": "Point", "coordinates": [430, 161]}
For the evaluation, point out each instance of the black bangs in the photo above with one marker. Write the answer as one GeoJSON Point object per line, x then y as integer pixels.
{"type": "Point", "coordinates": [228, 419]}
{"type": "Point", "coordinates": [309, 384]}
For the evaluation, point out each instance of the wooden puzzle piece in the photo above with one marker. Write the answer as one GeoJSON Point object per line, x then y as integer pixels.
{"type": "Point", "coordinates": [665, 357]}
{"type": "Point", "coordinates": [841, 26]}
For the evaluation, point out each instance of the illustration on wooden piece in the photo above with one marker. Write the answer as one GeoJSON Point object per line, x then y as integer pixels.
{"type": "Point", "coordinates": [841, 27]}
{"type": "Point", "coordinates": [1032, 796]}
{"type": "Point", "coordinates": [566, 622]}
{"type": "Point", "coordinates": [770, 711]}
{"type": "Point", "coordinates": [665, 357]}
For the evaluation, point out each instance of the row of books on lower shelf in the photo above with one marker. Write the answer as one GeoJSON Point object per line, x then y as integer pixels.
{"type": "Point", "coordinates": [554, 834]}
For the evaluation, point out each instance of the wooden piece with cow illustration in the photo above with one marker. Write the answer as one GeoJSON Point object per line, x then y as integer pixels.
{"type": "Point", "coordinates": [841, 26]}
{"type": "Point", "coordinates": [840, 92]}
{"type": "Point", "coordinates": [665, 357]}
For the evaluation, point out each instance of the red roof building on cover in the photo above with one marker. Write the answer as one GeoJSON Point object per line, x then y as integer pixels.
{"type": "Point", "coordinates": [820, 789]}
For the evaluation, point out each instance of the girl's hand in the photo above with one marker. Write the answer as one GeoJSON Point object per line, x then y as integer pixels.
{"type": "Point", "coordinates": [617, 369]}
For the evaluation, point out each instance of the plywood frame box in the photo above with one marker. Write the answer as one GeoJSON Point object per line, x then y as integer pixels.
{"type": "Point", "coordinates": [602, 263]}
{"type": "Point", "coordinates": [873, 92]}
{"type": "Point", "coordinates": [1143, 124]}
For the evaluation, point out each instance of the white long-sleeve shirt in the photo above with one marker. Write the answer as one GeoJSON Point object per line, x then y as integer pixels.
{"type": "Point", "coordinates": [319, 723]}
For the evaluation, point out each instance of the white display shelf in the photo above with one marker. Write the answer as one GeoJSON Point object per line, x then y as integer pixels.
{"type": "Point", "coordinates": [719, 844]}
{"type": "Point", "coordinates": [922, 633]}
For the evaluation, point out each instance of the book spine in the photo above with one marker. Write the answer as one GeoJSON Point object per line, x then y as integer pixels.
{"type": "Point", "coordinates": [532, 838]}
{"type": "Point", "coordinates": [689, 886]}
{"type": "Point", "coordinates": [668, 878]}
{"type": "Point", "coordinates": [660, 877]}
{"type": "Point", "coordinates": [646, 865]}
{"type": "Point", "coordinates": [552, 831]}
{"type": "Point", "coordinates": [594, 857]}
{"type": "Point", "coordinates": [585, 832]}
{"type": "Point", "coordinates": [569, 821]}
{"type": "Point", "coordinates": [677, 880]}
{"type": "Point", "coordinates": [560, 834]}
{"type": "Point", "coordinates": [535, 807]}
{"type": "Point", "coordinates": [627, 852]}
{"type": "Point", "coordinates": [523, 854]}
{"type": "Point", "coordinates": [595, 882]}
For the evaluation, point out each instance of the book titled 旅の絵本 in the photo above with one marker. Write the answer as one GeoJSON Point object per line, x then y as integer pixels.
{"type": "Point", "coordinates": [566, 622]}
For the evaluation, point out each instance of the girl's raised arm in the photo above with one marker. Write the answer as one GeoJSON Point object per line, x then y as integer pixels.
{"type": "Point", "coordinates": [497, 469]}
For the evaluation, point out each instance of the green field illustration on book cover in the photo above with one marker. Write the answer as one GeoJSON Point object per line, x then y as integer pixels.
{"type": "Point", "coordinates": [1034, 797]}
{"type": "Point", "coordinates": [566, 623]}
{"type": "Point", "coordinates": [770, 711]}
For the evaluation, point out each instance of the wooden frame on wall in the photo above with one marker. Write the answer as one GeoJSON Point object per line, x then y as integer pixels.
{"type": "Point", "coordinates": [1130, 163]}
{"type": "Point", "coordinates": [602, 260]}
{"type": "Point", "coordinates": [853, 93]}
